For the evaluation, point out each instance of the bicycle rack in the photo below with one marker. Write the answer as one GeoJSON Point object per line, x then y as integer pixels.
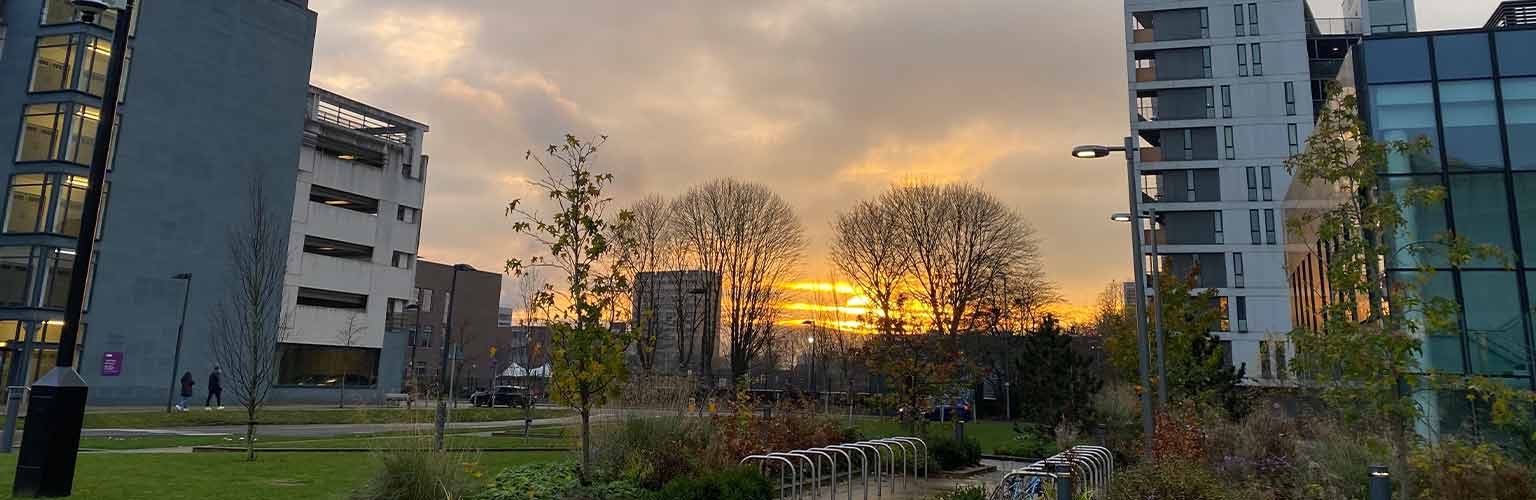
{"type": "Point", "coordinates": [846, 458]}
{"type": "Point", "coordinates": [1093, 464]}
{"type": "Point", "coordinates": [812, 469]}
{"type": "Point", "coordinates": [863, 467]}
{"type": "Point", "coordinates": [926, 456]}
{"type": "Point", "coordinates": [763, 460]}
{"type": "Point", "coordinates": [903, 451]}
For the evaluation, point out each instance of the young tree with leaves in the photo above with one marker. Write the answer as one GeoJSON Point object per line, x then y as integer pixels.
{"type": "Point", "coordinates": [580, 236]}
{"type": "Point", "coordinates": [1050, 379]}
{"type": "Point", "coordinates": [349, 335]}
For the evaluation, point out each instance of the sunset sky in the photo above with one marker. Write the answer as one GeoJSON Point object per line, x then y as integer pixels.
{"type": "Point", "coordinates": [826, 102]}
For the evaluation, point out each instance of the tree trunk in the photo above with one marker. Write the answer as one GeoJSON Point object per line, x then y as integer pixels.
{"type": "Point", "coordinates": [250, 438]}
{"type": "Point", "coordinates": [341, 401]}
{"type": "Point", "coordinates": [586, 441]}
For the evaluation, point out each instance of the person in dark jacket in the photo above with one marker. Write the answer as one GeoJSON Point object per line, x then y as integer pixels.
{"type": "Point", "coordinates": [186, 390]}
{"type": "Point", "coordinates": [215, 390]}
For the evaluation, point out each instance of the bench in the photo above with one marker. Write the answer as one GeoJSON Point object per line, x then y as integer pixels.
{"type": "Point", "coordinates": [397, 399]}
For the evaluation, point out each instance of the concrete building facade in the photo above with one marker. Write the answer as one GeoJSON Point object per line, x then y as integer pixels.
{"type": "Point", "coordinates": [1221, 94]}
{"type": "Point", "coordinates": [213, 100]}
{"type": "Point", "coordinates": [678, 311]}
{"type": "Point", "coordinates": [475, 301]}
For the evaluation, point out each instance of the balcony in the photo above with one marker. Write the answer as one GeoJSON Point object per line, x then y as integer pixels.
{"type": "Point", "coordinates": [1150, 154]}
{"type": "Point", "coordinates": [330, 222]}
{"type": "Point", "coordinates": [1143, 35]}
{"type": "Point", "coordinates": [1332, 26]}
{"type": "Point", "coordinates": [1147, 74]}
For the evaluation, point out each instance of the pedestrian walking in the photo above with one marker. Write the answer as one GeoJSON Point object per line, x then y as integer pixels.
{"type": "Point", "coordinates": [186, 390]}
{"type": "Point", "coordinates": [215, 390]}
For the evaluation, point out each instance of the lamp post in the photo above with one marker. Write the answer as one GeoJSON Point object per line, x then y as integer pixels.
{"type": "Point", "coordinates": [410, 368]}
{"type": "Point", "coordinates": [810, 341]}
{"type": "Point", "coordinates": [440, 423]}
{"type": "Point", "coordinates": [56, 406]}
{"type": "Point", "coordinates": [1157, 310]}
{"type": "Point", "coordinates": [186, 292]}
{"type": "Point", "coordinates": [1129, 150]}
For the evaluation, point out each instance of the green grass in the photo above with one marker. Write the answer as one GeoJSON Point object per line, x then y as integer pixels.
{"type": "Point", "coordinates": [142, 442]}
{"type": "Point", "coordinates": [452, 441]}
{"type": "Point", "coordinates": [990, 434]}
{"type": "Point", "coordinates": [226, 476]}
{"type": "Point", "coordinates": [232, 416]}
{"type": "Point", "coordinates": [547, 436]}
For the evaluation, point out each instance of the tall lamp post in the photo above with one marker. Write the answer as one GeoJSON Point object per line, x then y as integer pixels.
{"type": "Point", "coordinates": [1132, 184]}
{"type": "Point", "coordinates": [410, 369]}
{"type": "Point", "coordinates": [186, 293]}
{"type": "Point", "coordinates": [56, 407]}
{"type": "Point", "coordinates": [440, 424]}
{"type": "Point", "coordinates": [1157, 309]}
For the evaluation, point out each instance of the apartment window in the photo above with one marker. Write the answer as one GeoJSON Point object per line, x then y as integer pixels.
{"type": "Point", "coordinates": [332, 299]}
{"type": "Point", "coordinates": [1253, 227]}
{"type": "Point", "coordinates": [1231, 143]}
{"type": "Point", "coordinates": [20, 267]}
{"type": "Point", "coordinates": [1189, 144]}
{"type": "Point", "coordinates": [1269, 189]}
{"type": "Point", "coordinates": [1223, 311]}
{"type": "Point", "coordinates": [426, 336]}
{"type": "Point", "coordinates": [31, 197]}
{"type": "Point", "coordinates": [63, 11]}
{"type": "Point", "coordinates": [1237, 20]}
{"type": "Point", "coordinates": [1258, 59]}
{"type": "Point", "coordinates": [395, 316]}
{"type": "Point", "coordinates": [1265, 370]}
{"type": "Point", "coordinates": [1206, 69]}
{"type": "Point", "coordinates": [406, 170]}
{"type": "Point", "coordinates": [1253, 19]}
{"type": "Point", "coordinates": [1205, 23]}
{"type": "Point", "coordinates": [327, 366]}
{"type": "Point", "coordinates": [1242, 315]}
{"type": "Point", "coordinates": [42, 134]}
{"type": "Point", "coordinates": [337, 248]}
{"type": "Point", "coordinates": [1290, 133]}
{"type": "Point", "coordinates": [407, 215]}
{"type": "Point", "coordinates": [1189, 185]}
{"type": "Point", "coordinates": [342, 199]}
{"type": "Point", "coordinates": [1253, 185]}
{"type": "Point", "coordinates": [1226, 101]}
{"type": "Point", "coordinates": [424, 298]}
{"type": "Point", "coordinates": [1210, 102]}
{"type": "Point", "coordinates": [1238, 277]}
{"type": "Point", "coordinates": [1216, 223]}
{"type": "Point", "coordinates": [402, 260]}
{"type": "Point", "coordinates": [1242, 60]}
{"type": "Point", "coordinates": [1269, 226]}
{"type": "Point", "coordinates": [1290, 98]}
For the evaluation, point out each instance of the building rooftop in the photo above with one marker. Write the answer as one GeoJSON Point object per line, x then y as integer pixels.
{"type": "Point", "coordinates": [343, 112]}
{"type": "Point", "coordinates": [1513, 13]}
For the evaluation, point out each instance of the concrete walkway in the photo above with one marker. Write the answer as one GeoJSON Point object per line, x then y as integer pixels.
{"type": "Point", "coordinates": [326, 430]}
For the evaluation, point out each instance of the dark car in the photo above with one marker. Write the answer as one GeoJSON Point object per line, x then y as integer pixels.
{"type": "Point", "coordinates": [949, 412]}
{"type": "Point", "coordinates": [503, 395]}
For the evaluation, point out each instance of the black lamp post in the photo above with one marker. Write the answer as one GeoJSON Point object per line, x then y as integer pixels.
{"type": "Point", "coordinates": [186, 293]}
{"type": "Point", "coordinates": [441, 422]}
{"type": "Point", "coordinates": [56, 407]}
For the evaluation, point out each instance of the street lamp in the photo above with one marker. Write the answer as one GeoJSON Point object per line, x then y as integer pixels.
{"type": "Point", "coordinates": [56, 406]}
{"type": "Point", "coordinates": [1129, 149]}
{"type": "Point", "coordinates": [1157, 311]}
{"type": "Point", "coordinates": [410, 369]}
{"type": "Point", "coordinates": [186, 292]}
{"type": "Point", "coordinates": [440, 424]}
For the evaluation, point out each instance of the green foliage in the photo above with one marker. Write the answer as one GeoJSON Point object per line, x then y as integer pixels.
{"type": "Point", "coordinates": [1455, 470]}
{"type": "Point", "coordinates": [1196, 371]}
{"type": "Point", "coordinates": [962, 493]}
{"type": "Point", "coordinates": [416, 474]}
{"type": "Point", "coordinates": [950, 454]}
{"type": "Point", "coordinates": [1171, 479]}
{"type": "Point", "coordinates": [650, 451]}
{"type": "Point", "coordinates": [917, 367]}
{"type": "Point", "coordinates": [734, 483]}
{"type": "Point", "coordinates": [1029, 442]}
{"type": "Point", "coordinates": [1050, 380]}
{"type": "Point", "coordinates": [555, 481]}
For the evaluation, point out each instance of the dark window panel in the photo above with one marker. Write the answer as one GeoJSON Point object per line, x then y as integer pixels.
{"type": "Point", "coordinates": [1520, 121]}
{"type": "Point", "coordinates": [1406, 113]}
{"type": "Point", "coordinates": [1421, 223]}
{"type": "Point", "coordinates": [1495, 324]}
{"type": "Point", "coordinates": [1441, 349]}
{"type": "Point", "coordinates": [1517, 52]}
{"type": "Point", "coordinates": [1462, 56]}
{"type": "Point", "coordinates": [1525, 198]}
{"type": "Point", "coordinates": [1396, 60]}
{"type": "Point", "coordinates": [1482, 214]}
{"type": "Point", "coordinates": [1471, 121]}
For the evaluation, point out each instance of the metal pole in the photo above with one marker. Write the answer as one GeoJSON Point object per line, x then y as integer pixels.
{"type": "Point", "coordinates": [186, 293]}
{"type": "Point", "coordinates": [1157, 314]}
{"type": "Point", "coordinates": [1063, 481]}
{"type": "Point", "coordinates": [440, 423]}
{"type": "Point", "coordinates": [410, 399]}
{"type": "Point", "coordinates": [56, 409]}
{"type": "Point", "coordinates": [1133, 182]}
{"type": "Point", "coordinates": [1381, 483]}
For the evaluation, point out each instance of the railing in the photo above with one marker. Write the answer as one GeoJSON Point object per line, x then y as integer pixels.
{"type": "Point", "coordinates": [1150, 154]}
{"type": "Point", "coordinates": [801, 474]}
{"type": "Point", "coordinates": [1143, 35]}
{"type": "Point", "coordinates": [1078, 469]}
{"type": "Point", "coordinates": [1148, 74]}
{"type": "Point", "coordinates": [1335, 26]}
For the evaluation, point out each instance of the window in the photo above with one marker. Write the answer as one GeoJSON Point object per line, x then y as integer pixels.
{"type": "Point", "coordinates": [332, 299]}
{"type": "Point", "coordinates": [1520, 121]}
{"type": "Point", "coordinates": [1462, 56]}
{"type": "Point", "coordinates": [1482, 215]}
{"type": "Point", "coordinates": [401, 260]}
{"type": "Point", "coordinates": [1210, 102]}
{"type": "Point", "coordinates": [405, 170]}
{"type": "Point", "coordinates": [1238, 279]}
{"type": "Point", "coordinates": [1253, 19]}
{"type": "Point", "coordinates": [25, 270]}
{"type": "Point", "coordinates": [1471, 120]}
{"type": "Point", "coordinates": [58, 131]}
{"type": "Point", "coordinates": [1280, 362]}
{"type": "Point", "coordinates": [1223, 312]}
{"type": "Point", "coordinates": [1226, 101]}
{"type": "Point", "coordinates": [424, 298]}
{"type": "Point", "coordinates": [1242, 60]}
{"type": "Point", "coordinates": [395, 316]}
{"type": "Point", "coordinates": [327, 366]}
{"type": "Point", "coordinates": [1269, 226]}
{"type": "Point", "coordinates": [1205, 23]}
{"type": "Point", "coordinates": [16, 285]}
{"type": "Point", "coordinates": [1242, 314]}
{"type": "Point", "coordinates": [337, 248]}
{"type": "Point", "coordinates": [1189, 185]}
{"type": "Point", "coordinates": [1253, 227]}
{"type": "Point", "coordinates": [1292, 135]}
{"type": "Point", "coordinates": [1269, 190]}
{"type": "Point", "coordinates": [1205, 70]}
{"type": "Point", "coordinates": [407, 215]}
{"type": "Point", "coordinates": [63, 11]}
{"type": "Point", "coordinates": [1237, 20]}
{"type": "Point", "coordinates": [1397, 60]}
{"type": "Point", "coordinates": [1217, 224]}
{"type": "Point", "coordinates": [1290, 98]}
{"type": "Point", "coordinates": [71, 62]}
{"type": "Point", "coordinates": [447, 305]}
{"type": "Point", "coordinates": [32, 196]}
{"type": "Point", "coordinates": [342, 199]}
{"type": "Point", "coordinates": [1406, 112]}
{"type": "Point", "coordinates": [1230, 143]}
{"type": "Point", "coordinates": [1264, 367]}
{"type": "Point", "coordinates": [1517, 52]}
{"type": "Point", "coordinates": [1258, 59]}
{"type": "Point", "coordinates": [1253, 185]}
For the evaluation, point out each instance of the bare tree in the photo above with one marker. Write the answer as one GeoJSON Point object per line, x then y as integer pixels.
{"type": "Point", "coordinates": [650, 233]}
{"type": "Point", "coordinates": [752, 239]}
{"type": "Point", "coordinates": [874, 256]}
{"type": "Point", "coordinates": [348, 336]}
{"type": "Point", "coordinates": [249, 322]}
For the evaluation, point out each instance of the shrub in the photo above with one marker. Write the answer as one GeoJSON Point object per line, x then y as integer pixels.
{"type": "Point", "coordinates": [950, 454]}
{"type": "Point", "coordinates": [735, 483]}
{"type": "Point", "coordinates": [649, 451]}
{"type": "Point", "coordinates": [963, 493]}
{"type": "Point", "coordinates": [416, 474]}
{"type": "Point", "coordinates": [1169, 479]}
{"type": "Point", "coordinates": [1455, 470]}
{"type": "Point", "coordinates": [555, 481]}
{"type": "Point", "coordinates": [1028, 442]}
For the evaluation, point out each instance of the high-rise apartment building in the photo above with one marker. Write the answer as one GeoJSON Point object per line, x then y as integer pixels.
{"type": "Point", "coordinates": [213, 100]}
{"type": "Point", "coordinates": [1221, 94]}
{"type": "Point", "coordinates": [680, 312]}
{"type": "Point", "coordinates": [352, 248]}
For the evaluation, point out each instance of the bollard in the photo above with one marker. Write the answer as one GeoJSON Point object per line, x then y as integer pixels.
{"type": "Point", "coordinates": [959, 430]}
{"type": "Point", "coordinates": [18, 394]}
{"type": "Point", "coordinates": [1381, 483]}
{"type": "Point", "coordinates": [1063, 481]}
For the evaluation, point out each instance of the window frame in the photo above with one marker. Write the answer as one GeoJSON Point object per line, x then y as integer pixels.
{"type": "Point", "coordinates": [1253, 19]}
{"type": "Point", "coordinates": [408, 259]}
{"type": "Point", "coordinates": [1270, 236]}
{"type": "Point", "coordinates": [1253, 184]}
{"type": "Point", "coordinates": [1241, 313]}
{"type": "Point", "coordinates": [1231, 147]}
{"type": "Point", "coordinates": [1257, 59]}
{"type": "Point", "coordinates": [1290, 98]}
{"type": "Point", "coordinates": [1226, 101]}
{"type": "Point", "coordinates": [1255, 232]}
{"type": "Point", "coordinates": [1292, 134]}
{"type": "Point", "coordinates": [1267, 183]}
{"type": "Point", "coordinates": [1242, 60]}
{"type": "Point", "coordinates": [1239, 276]}
{"type": "Point", "coordinates": [1237, 20]}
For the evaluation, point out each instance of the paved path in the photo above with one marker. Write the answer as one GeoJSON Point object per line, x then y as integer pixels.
{"type": "Point", "coordinates": [325, 430]}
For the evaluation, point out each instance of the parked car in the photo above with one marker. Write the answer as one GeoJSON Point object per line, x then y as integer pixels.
{"type": "Point", "coordinates": [502, 395]}
{"type": "Point", "coordinates": [949, 412]}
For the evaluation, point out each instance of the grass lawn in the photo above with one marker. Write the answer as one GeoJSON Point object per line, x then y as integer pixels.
{"type": "Point", "coordinates": [140, 442]}
{"type": "Point", "coordinates": [233, 416]}
{"type": "Point", "coordinates": [547, 436]}
{"type": "Point", "coordinates": [990, 434]}
{"type": "Point", "coordinates": [452, 441]}
{"type": "Point", "coordinates": [226, 476]}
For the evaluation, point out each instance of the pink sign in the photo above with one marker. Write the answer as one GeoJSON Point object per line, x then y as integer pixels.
{"type": "Point", "coordinates": [111, 364]}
